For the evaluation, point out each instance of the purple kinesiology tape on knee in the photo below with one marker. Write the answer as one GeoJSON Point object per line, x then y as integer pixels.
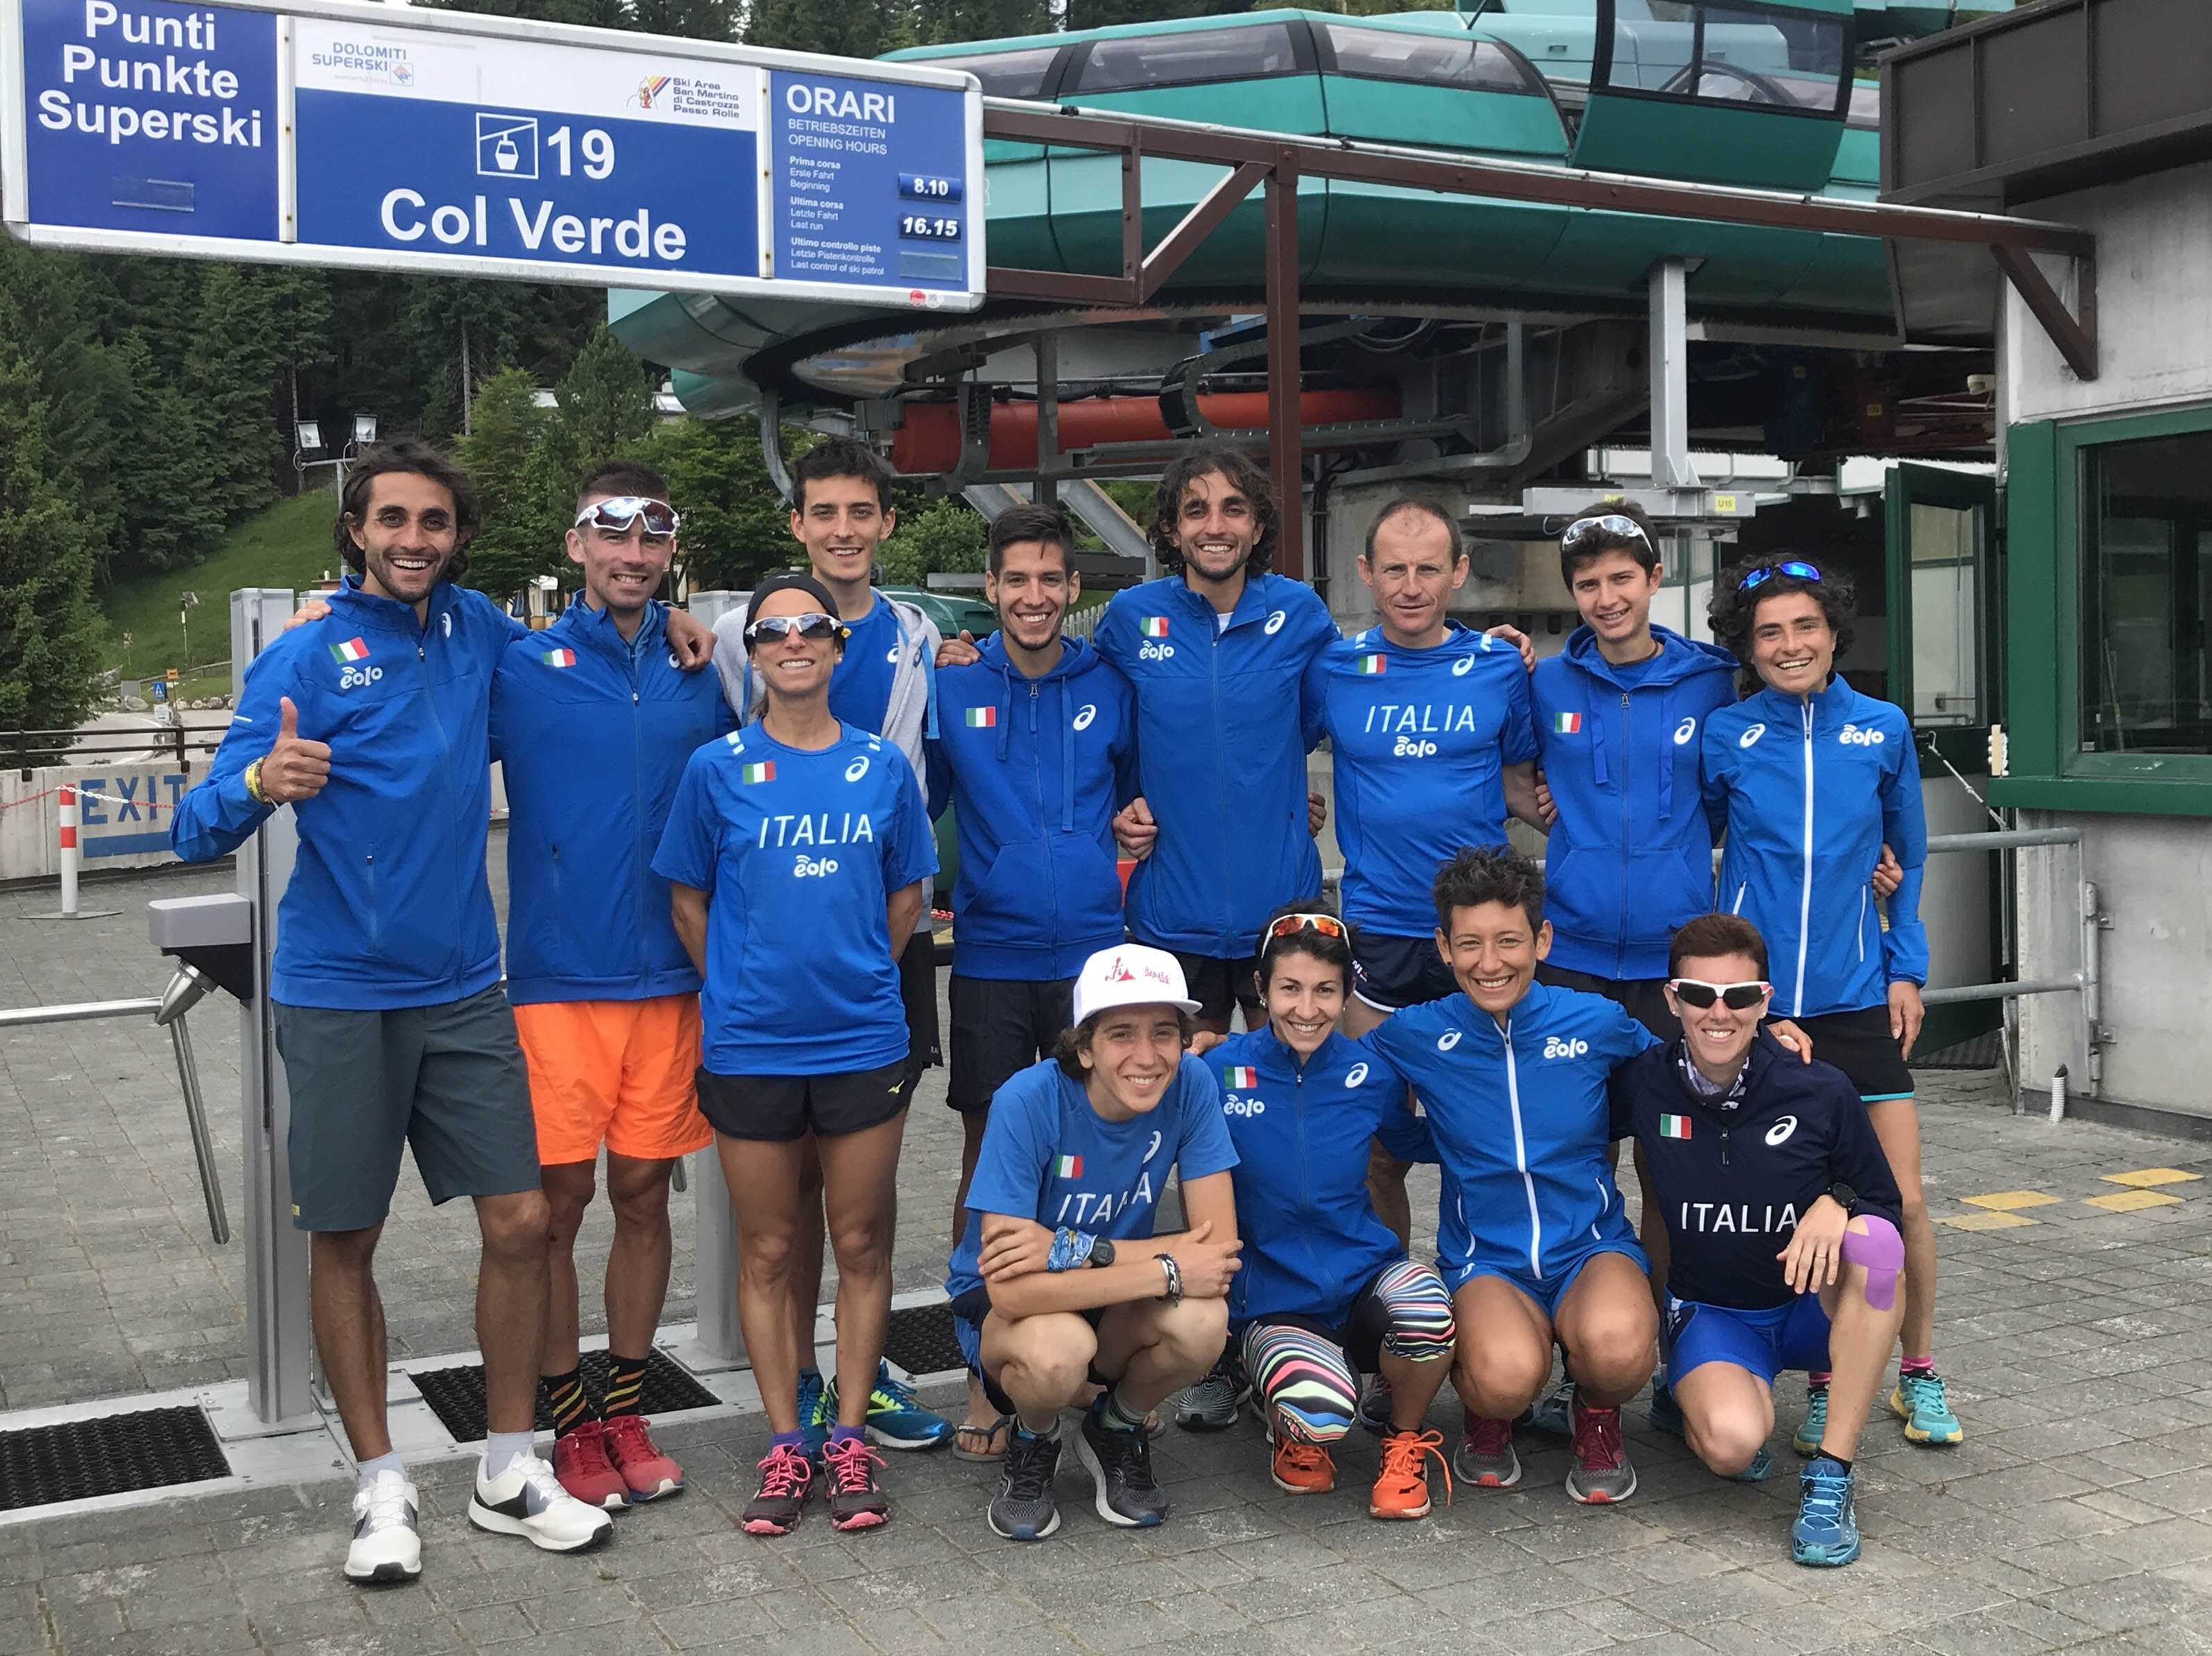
{"type": "Point", "coordinates": [1881, 1250]}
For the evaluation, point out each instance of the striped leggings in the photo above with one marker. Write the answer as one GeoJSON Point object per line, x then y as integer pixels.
{"type": "Point", "coordinates": [1307, 1379]}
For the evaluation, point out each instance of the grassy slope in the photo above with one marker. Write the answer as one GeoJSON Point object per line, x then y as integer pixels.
{"type": "Point", "coordinates": [288, 546]}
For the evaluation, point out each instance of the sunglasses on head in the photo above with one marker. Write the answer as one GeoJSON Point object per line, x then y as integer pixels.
{"type": "Point", "coordinates": [1765, 572]}
{"type": "Point", "coordinates": [1611, 523]}
{"type": "Point", "coordinates": [1739, 997]}
{"type": "Point", "coordinates": [1291, 925]}
{"type": "Point", "coordinates": [812, 626]}
{"type": "Point", "coordinates": [616, 515]}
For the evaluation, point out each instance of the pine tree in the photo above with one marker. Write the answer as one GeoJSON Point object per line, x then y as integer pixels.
{"type": "Point", "coordinates": [507, 428]}
{"type": "Point", "coordinates": [735, 529]}
{"type": "Point", "coordinates": [229, 373]}
{"type": "Point", "coordinates": [696, 19]}
{"type": "Point", "coordinates": [845, 28]}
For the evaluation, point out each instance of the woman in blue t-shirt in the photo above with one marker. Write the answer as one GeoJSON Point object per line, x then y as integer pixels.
{"type": "Point", "coordinates": [797, 850]}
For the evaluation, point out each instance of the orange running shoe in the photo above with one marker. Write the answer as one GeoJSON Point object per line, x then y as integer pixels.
{"type": "Point", "coordinates": [1302, 1469]}
{"type": "Point", "coordinates": [1401, 1487]}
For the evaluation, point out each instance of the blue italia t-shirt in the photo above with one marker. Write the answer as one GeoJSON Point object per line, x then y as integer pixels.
{"type": "Point", "coordinates": [799, 853]}
{"type": "Point", "coordinates": [1047, 1154]}
{"type": "Point", "coordinates": [1421, 738]}
{"type": "Point", "coordinates": [860, 686]}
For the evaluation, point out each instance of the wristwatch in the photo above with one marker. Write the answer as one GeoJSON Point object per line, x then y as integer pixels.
{"type": "Point", "coordinates": [1844, 1197]}
{"type": "Point", "coordinates": [1102, 1250]}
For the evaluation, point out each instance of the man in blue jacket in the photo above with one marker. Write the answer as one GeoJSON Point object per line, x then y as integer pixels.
{"type": "Point", "coordinates": [1037, 749]}
{"type": "Point", "coordinates": [370, 718]}
{"type": "Point", "coordinates": [593, 720]}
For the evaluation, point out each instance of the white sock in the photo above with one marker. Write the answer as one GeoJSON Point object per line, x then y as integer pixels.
{"type": "Point", "coordinates": [389, 1461]}
{"type": "Point", "coordinates": [503, 1449]}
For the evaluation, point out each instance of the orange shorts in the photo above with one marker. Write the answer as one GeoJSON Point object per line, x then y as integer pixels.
{"type": "Point", "coordinates": [618, 1072]}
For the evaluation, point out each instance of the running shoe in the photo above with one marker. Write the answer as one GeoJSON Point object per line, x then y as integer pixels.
{"type": "Point", "coordinates": [1921, 1400]}
{"type": "Point", "coordinates": [1025, 1510]}
{"type": "Point", "coordinates": [649, 1474]}
{"type": "Point", "coordinates": [1601, 1475]}
{"type": "Point", "coordinates": [1120, 1468]}
{"type": "Point", "coordinates": [385, 1546]}
{"type": "Point", "coordinates": [527, 1500]}
{"type": "Point", "coordinates": [816, 1414]}
{"type": "Point", "coordinates": [856, 1501]}
{"type": "Point", "coordinates": [1210, 1405]}
{"type": "Point", "coordinates": [1814, 1425]}
{"type": "Point", "coordinates": [579, 1461]}
{"type": "Point", "coordinates": [1485, 1457]}
{"type": "Point", "coordinates": [1301, 1468]}
{"type": "Point", "coordinates": [1665, 1414]}
{"type": "Point", "coordinates": [1553, 1415]}
{"type": "Point", "coordinates": [1826, 1533]}
{"type": "Point", "coordinates": [786, 1475]}
{"type": "Point", "coordinates": [1401, 1487]}
{"type": "Point", "coordinates": [895, 1421]}
{"type": "Point", "coordinates": [1761, 1468]}
{"type": "Point", "coordinates": [1375, 1405]}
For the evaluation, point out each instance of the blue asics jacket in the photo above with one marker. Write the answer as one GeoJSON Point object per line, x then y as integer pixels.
{"type": "Point", "coordinates": [1035, 769]}
{"type": "Point", "coordinates": [1733, 1179]}
{"type": "Point", "coordinates": [1520, 1119]}
{"type": "Point", "coordinates": [1221, 759]}
{"type": "Point", "coordinates": [387, 905]}
{"type": "Point", "coordinates": [594, 738]}
{"type": "Point", "coordinates": [1631, 856]}
{"type": "Point", "coordinates": [1311, 1238]}
{"type": "Point", "coordinates": [1809, 792]}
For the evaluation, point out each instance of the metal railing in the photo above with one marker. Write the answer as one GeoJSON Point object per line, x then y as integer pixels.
{"type": "Point", "coordinates": [31, 748]}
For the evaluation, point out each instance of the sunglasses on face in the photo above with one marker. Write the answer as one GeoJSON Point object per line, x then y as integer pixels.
{"type": "Point", "coordinates": [1611, 523]}
{"type": "Point", "coordinates": [616, 515]}
{"type": "Point", "coordinates": [1766, 572]}
{"type": "Point", "coordinates": [1738, 997]}
{"type": "Point", "coordinates": [1291, 925]}
{"type": "Point", "coordinates": [812, 625]}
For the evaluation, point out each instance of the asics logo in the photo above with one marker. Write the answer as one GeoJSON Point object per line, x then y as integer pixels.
{"type": "Point", "coordinates": [673, 662]}
{"type": "Point", "coordinates": [1751, 735]}
{"type": "Point", "coordinates": [1408, 748]}
{"type": "Point", "coordinates": [354, 676]}
{"type": "Point", "coordinates": [1355, 1075]}
{"type": "Point", "coordinates": [1275, 623]}
{"type": "Point", "coordinates": [1234, 1105]}
{"type": "Point", "coordinates": [892, 654]}
{"type": "Point", "coordinates": [1852, 736]}
{"type": "Point", "coordinates": [1780, 1132]}
{"type": "Point", "coordinates": [1154, 652]}
{"type": "Point", "coordinates": [1555, 1047]}
{"type": "Point", "coordinates": [1083, 720]}
{"type": "Point", "coordinates": [857, 768]}
{"type": "Point", "coordinates": [808, 868]}
{"type": "Point", "coordinates": [448, 619]}
{"type": "Point", "coordinates": [1684, 731]}
{"type": "Point", "coordinates": [1448, 1040]}
{"type": "Point", "coordinates": [1153, 1149]}
{"type": "Point", "coordinates": [1462, 667]}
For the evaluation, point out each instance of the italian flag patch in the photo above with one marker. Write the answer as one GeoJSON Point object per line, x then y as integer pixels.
{"type": "Point", "coordinates": [1372, 664]}
{"type": "Point", "coordinates": [559, 658]}
{"type": "Point", "coordinates": [1068, 1167]}
{"type": "Point", "coordinates": [1242, 1077]}
{"type": "Point", "coordinates": [1567, 724]}
{"type": "Point", "coordinates": [765, 771]}
{"type": "Point", "coordinates": [1674, 1127]}
{"type": "Point", "coordinates": [352, 650]}
{"type": "Point", "coordinates": [982, 718]}
{"type": "Point", "coordinates": [1155, 626]}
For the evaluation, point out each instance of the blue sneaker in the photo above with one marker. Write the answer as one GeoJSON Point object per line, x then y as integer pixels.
{"type": "Point", "coordinates": [1826, 1533]}
{"type": "Point", "coordinates": [817, 1413]}
{"type": "Point", "coordinates": [1814, 1425]}
{"type": "Point", "coordinates": [1761, 1468]}
{"type": "Point", "coordinates": [1553, 1414]}
{"type": "Point", "coordinates": [1665, 1414]}
{"type": "Point", "coordinates": [896, 1421]}
{"type": "Point", "coordinates": [1921, 1402]}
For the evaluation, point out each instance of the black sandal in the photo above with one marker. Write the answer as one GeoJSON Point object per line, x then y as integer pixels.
{"type": "Point", "coordinates": [962, 1435]}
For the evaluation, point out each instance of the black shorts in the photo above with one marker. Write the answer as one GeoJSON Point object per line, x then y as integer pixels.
{"type": "Point", "coordinates": [918, 991]}
{"type": "Point", "coordinates": [1366, 1320]}
{"type": "Point", "coordinates": [778, 1109]}
{"type": "Point", "coordinates": [1643, 999]}
{"type": "Point", "coordinates": [1860, 1044]}
{"type": "Point", "coordinates": [969, 1311]}
{"type": "Point", "coordinates": [1000, 1026]}
{"type": "Point", "coordinates": [1393, 973]}
{"type": "Point", "coordinates": [1218, 985]}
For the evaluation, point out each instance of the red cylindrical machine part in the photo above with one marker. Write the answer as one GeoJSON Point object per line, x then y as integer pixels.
{"type": "Point", "coordinates": [928, 438]}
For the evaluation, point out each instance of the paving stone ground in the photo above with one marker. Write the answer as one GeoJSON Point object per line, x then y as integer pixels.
{"type": "Point", "coordinates": [2074, 1518]}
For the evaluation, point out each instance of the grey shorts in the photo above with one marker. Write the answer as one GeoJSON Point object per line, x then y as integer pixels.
{"type": "Point", "coordinates": [447, 1080]}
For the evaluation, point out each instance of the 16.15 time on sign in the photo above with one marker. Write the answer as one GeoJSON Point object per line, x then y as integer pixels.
{"type": "Point", "coordinates": [920, 227]}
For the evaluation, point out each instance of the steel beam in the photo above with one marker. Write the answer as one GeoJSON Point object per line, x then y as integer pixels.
{"type": "Point", "coordinates": [1286, 450]}
{"type": "Point", "coordinates": [1671, 467]}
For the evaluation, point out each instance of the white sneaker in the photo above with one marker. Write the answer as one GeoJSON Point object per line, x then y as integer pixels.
{"type": "Point", "coordinates": [386, 1544]}
{"type": "Point", "coordinates": [527, 1500]}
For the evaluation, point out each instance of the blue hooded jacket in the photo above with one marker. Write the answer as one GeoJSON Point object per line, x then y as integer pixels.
{"type": "Point", "coordinates": [387, 905]}
{"type": "Point", "coordinates": [1631, 857]}
{"type": "Point", "coordinates": [1301, 1129]}
{"type": "Point", "coordinates": [1809, 791]}
{"type": "Point", "coordinates": [1221, 756]}
{"type": "Point", "coordinates": [593, 739]}
{"type": "Point", "coordinates": [1036, 768]}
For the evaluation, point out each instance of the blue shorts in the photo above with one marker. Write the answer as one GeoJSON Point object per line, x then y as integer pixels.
{"type": "Point", "coordinates": [1794, 1337]}
{"type": "Point", "coordinates": [1545, 1291]}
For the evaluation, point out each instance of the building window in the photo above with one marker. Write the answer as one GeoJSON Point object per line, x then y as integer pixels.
{"type": "Point", "coordinates": [2146, 582]}
{"type": "Point", "coordinates": [1731, 54]}
{"type": "Point", "coordinates": [1005, 73]}
{"type": "Point", "coordinates": [1139, 63]}
{"type": "Point", "coordinates": [1451, 60]}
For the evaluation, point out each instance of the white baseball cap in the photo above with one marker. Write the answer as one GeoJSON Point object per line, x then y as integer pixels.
{"type": "Point", "coordinates": [1132, 975]}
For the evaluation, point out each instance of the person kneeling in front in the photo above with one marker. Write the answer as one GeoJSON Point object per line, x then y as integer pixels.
{"type": "Point", "coordinates": [1058, 1283]}
{"type": "Point", "coordinates": [1747, 1148]}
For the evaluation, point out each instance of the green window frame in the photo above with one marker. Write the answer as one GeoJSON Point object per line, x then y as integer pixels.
{"type": "Point", "coordinates": [2047, 540]}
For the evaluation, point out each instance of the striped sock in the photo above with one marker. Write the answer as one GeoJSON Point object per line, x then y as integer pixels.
{"type": "Point", "coordinates": [565, 1401]}
{"type": "Point", "coordinates": [625, 1386]}
{"type": "Point", "coordinates": [1921, 1366]}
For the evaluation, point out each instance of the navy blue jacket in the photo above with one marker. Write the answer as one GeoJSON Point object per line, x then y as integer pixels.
{"type": "Point", "coordinates": [387, 905]}
{"type": "Point", "coordinates": [594, 742]}
{"type": "Point", "coordinates": [1035, 769]}
{"type": "Point", "coordinates": [1631, 857]}
{"type": "Point", "coordinates": [1732, 1183]}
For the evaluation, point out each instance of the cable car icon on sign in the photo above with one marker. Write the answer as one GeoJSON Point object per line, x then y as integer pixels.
{"type": "Point", "coordinates": [507, 146]}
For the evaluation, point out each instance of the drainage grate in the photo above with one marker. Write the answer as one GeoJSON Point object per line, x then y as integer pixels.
{"type": "Point", "coordinates": [920, 1340]}
{"type": "Point", "coordinates": [149, 1450]}
{"type": "Point", "coordinates": [456, 1396]}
